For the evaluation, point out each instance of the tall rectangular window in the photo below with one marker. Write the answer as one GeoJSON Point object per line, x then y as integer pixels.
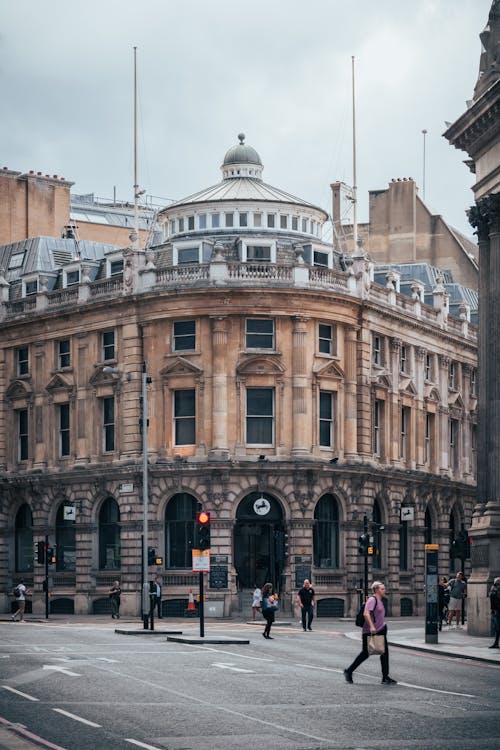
{"type": "Point", "coordinates": [260, 416]}
{"type": "Point", "coordinates": [259, 333]}
{"type": "Point", "coordinates": [325, 339]}
{"type": "Point", "coordinates": [404, 359]}
{"type": "Point", "coordinates": [108, 345]}
{"type": "Point", "coordinates": [190, 223]}
{"type": "Point", "coordinates": [202, 221]}
{"type": "Point", "coordinates": [63, 353]}
{"type": "Point", "coordinates": [429, 428]}
{"type": "Point", "coordinates": [377, 350]}
{"type": "Point", "coordinates": [184, 335]}
{"type": "Point", "coordinates": [428, 366]}
{"type": "Point", "coordinates": [271, 220]}
{"type": "Point", "coordinates": [453, 432]}
{"type": "Point", "coordinates": [22, 435]}
{"type": "Point", "coordinates": [283, 221]}
{"type": "Point", "coordinates": [378, 411]}
{"type": "Point", "coordinates": [108, 423]}
{"type": "Point", "coordinates": [304, 225]}
{"type": "Point", "coordinates": [116, 267]}
{"type": "Point", "coordinates": [243, 220]}
{"type": "Point", "coordinates": [184, 417]}
{"type": "Point", "coordinates": [259, 253]}
{"type": "Point", "coordinates": [405, 432]}
{"type": "Point", "coordinates": [257, 220]}
{"type": "Point", "coordinates": [326, 419]}
{"type": "Point", "coordinates": [451, 376]}
{"type": "Point", "coordinates": [22, 361]}
{"type": "Point", "coordinates": [229, 219]}
{"type": "Point", "coordinates": [181, 225]}
{"type": "Point", "coordinates": [215, 221]}
{"type": "Point", "coordinates": [188, 255]}
{"type": "Point", "coordinates": [295, 223]}
{"type": "Point", "coordinates": [473, 381]}
{"type": "Point", "coordinates": [64, 437]}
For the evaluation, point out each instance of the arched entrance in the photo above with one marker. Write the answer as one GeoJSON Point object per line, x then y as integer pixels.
{"type": "Point", "coordinates": [260, 542]}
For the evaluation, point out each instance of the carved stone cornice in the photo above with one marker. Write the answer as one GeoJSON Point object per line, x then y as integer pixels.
{"type": "Point", "coordinates": [484, 216]}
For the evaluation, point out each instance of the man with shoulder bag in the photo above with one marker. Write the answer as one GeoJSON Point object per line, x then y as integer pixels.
{"type": "Point", "coordinates": [374, 635]}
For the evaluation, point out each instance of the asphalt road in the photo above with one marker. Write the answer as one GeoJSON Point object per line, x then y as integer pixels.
{"type": "Point", "coordinates": [87, 688]}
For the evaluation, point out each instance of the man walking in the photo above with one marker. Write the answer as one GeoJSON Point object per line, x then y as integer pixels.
{"type": "Point", "coordinates": [115, 596]}
{"type": "Point", "coordinates": [305, 598]}
{"type": "Point", "coordinates": [495, 610]}
{"type": "Point", "coordinates": [157, 596]}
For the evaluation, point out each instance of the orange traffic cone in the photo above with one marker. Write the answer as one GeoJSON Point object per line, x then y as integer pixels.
{"type": "Point", "coordinates": [191, 607]}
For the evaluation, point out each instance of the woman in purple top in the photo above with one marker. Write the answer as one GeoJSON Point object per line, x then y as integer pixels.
{"type": "Point", "coordinates": [374, 625]}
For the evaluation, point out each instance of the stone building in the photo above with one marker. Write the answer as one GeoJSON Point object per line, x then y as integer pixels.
{"type": "Point", "coordinates": [477, 132]}
{"type": "Point", "coordinates": [291, 395]}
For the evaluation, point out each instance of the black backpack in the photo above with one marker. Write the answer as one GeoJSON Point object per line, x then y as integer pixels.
{"type": "Point", "coordinates": [360, 617]}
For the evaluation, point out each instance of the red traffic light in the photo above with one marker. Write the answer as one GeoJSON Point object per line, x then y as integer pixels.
{"type": "Point", "coordinates": [203, 518]}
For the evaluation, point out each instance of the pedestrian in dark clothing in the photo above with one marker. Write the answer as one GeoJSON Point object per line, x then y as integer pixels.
{"type": "Point", "coordinates": [495, 610]}
{"type": "Point", "coordinates": [305, 599]}
{"type": "Point", "coordinates": [374, 625]}
{"type": "Point", "coordinates": [458, 592]}
{"type": "Point", "coordinates": [156, 596]}
{"type": "Point", "coordinates": [115, 594]}
{"type": "Point", "coordinates": [268, 609]}
{"type": "Point", "coordinates": [443, 600]}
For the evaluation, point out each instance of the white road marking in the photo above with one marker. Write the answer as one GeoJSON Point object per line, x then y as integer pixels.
{"type": "Point", "coordinates": [110, 661]}
{"type": "Point", "coordinates": [232, 668]}
{"type": "Point", "coordinates": [403, 684]}
{"type": "Point", "coordinates": [76, 718]}
{"type": "Point", "coordinates": [61, 669]}
{"type": "Point", "coordinates": [142, 744]}
{"type": "Point", "coordinates": [231, 653]}
{"type": "Point", "coordinates": [18, 692]}
{"type": "Point", "coordinates": [5, 657]}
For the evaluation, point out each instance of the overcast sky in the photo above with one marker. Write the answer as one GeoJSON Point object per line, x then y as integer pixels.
{"type": "Point", "coordinates": [279, 71]}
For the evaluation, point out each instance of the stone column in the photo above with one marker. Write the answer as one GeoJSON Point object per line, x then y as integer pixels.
{"type": "Point", "coordinates": [219, 450]}
{"type": "Point", "coordinates": [301, 429]}
{"type": "Point", "coordinates": [485, 530]}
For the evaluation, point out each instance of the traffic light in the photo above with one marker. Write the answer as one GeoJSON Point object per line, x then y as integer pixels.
{"type": "Point", "coordinates": [40, 552]}
{"type": "Point", "coordinates": [285, 544]}
{"type": "Point", "coordinates": [202, 536]}
{"type": "Point", "coordinates": [363, 544]}
{"type": "Point", "coordinates": [151, 555]}
{"type": "Point", "coordinates": [51, 556]}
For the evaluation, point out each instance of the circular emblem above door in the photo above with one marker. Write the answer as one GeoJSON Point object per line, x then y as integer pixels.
{"type": "Point", "coordinates": [262, 506]}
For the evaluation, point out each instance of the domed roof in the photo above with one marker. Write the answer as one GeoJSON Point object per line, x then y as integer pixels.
{"type": "Point", "coordinates": [242, 154]}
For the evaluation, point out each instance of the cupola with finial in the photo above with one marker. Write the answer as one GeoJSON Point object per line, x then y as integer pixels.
{"type": "Point", "coordinates": [242, 161]}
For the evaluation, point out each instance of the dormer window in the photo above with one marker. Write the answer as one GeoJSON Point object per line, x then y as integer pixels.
{"type": "Point", "coordinates": [70, 278]}
{"type": "Point", "coordinates": [187, 253]}
{"type": "Point", "coordinates": [30, 287]}
{"type": "Point", "coordinates": [258, 251]}
{"type": "Point", "coordinates": [116, 267]}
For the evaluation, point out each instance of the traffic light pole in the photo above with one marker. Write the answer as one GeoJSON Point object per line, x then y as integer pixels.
{"type": "Point", "coordinates": [46, 577]}
{"type": "Point", "coordinates": [201, 609]}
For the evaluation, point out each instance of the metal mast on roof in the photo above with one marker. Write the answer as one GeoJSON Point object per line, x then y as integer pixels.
{"type": "Point", "coordinates": [135, 239]}
{"type": "Point", "coordinates": [424, 133]}
{"type": "Point", "coordinates": [354, 176]}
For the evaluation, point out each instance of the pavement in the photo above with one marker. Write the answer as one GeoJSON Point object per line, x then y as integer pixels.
{"type": "Point", "coordinates": [408, 633]}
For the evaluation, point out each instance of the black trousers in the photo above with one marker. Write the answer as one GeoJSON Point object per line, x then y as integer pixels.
{"type": "Point", "coordinates": [363, 656]}
{"type": "Point", "coordinates": [269, 618]}
{"type": "Point", "coordinates": [307, 612]}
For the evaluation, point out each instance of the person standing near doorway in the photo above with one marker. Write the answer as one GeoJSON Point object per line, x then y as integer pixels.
{"type": "Point", "coordinates": [115, 596]}
{"type": "Point", "coordinates": [458, 592]}
{"type": "Point", "coordinates": [256, 602]}
{"type": "Point", "coordinates": [157, 596]}
{"type": "Point", "coordinates": [21, 592]}
{"type": "Point", "coordinates": [495, 610]}
{"type": "Point", "coordinates": [305, 598]}
{"type": "Point", "coordinates": [268, 609]}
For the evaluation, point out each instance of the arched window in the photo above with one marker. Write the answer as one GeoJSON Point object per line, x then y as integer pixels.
{"type": "Point", "coordinates": [377, 536]}
{"type": "Point", "coordinates": [65, 541]}
{"type": "Point", "coordinates": [427, 527]}
{"type": "Point", "coordinates": [326, 533]}
{"type": "Point", "coordinates": [24, 539]}
{"type": "Point", "coordinates": [180, 516]}
{"type": "Point", "coordinates": [109, 535]}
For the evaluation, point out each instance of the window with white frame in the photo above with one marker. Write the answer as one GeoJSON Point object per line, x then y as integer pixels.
{"type": "Point", "coordinates": [260, 416]}
{"type": "Point", "coordinates": [321, 259]}
{"type": "Point", "coordinates": [326, 419]}
{"type": "Point", "coordinates": [429, 430]}
{"type": "Point", "coordinates": [184, 335]}
{"type": "Point", "coordinates": [257, 220]}
{"type": "Point", "coordinates": [243, 219]}
{"type": "Point", "coordinates": [30, 287]}
{"type": "Point", "coordinates": [452, 374]}
{"type": "Point", "coordinates": [72, 277]}
{"type": "Point", "coordinates": [184, 417]}
{"type": "Point", "coordinates": [378, 412]}
{"type": "Point", "coordinates": [63, 353]}
{"type": "Point", "coordinates": [283, 221]}
{"type": "Point", "coordinates": [108, 345]}
{"type": "Point", "coordinates": [428, 366]}
{"type": "Point", "coordinates": [258, 253]}
{"type": "Point", "coordinates": [326, 342]}
{"type": "Point", "coordinates": [295, 223]}
{"type": "Point", "coordinates": [22, 360]}
{"type": "Point", "coordinates": [202, 221]}
{"type": "Point", "coordinates": [405, 432]}
{"type": "Point", "coordinates": [180, 225]}
{"type": "Point", "coordinates": [190, 223]}
{"type": "Point", "coordinates": [271, 221]}
{"type": "Point", "coordinates": [108, 424]}
{"type": "Point", "coordinates": [116, 267]}
{"type": "Point", "coordinates": [377, 350]}
{"type": "Point", "coordinates": [22, 435]}
{"type": "Point", "coordinates": [64, 434]}
{"type": "Point", "coordinates": [404, 358]}
{"type": "Point", "coordinates": [187, 255]}
{"type": "Point", "coordinates": [259, 333]}
{"type": "Point", "coordinates": [229, 219]}
{"type": "Point", "coordinates": [215, 221]}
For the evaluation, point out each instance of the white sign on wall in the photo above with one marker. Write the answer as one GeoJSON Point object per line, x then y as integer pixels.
{"type": "Point", "coordinates": [69, 513]}
{"type": "Point", "coordinates": [407, 514]}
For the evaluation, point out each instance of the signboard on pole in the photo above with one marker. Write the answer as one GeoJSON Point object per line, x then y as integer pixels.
{"type": "Point", "coordinates": [201, 560]}
{"type": "Point", "coordinates": [431, 593]}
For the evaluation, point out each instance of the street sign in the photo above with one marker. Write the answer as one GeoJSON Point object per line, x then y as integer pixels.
{"type": "Point", "coordinates": [201, 560]}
